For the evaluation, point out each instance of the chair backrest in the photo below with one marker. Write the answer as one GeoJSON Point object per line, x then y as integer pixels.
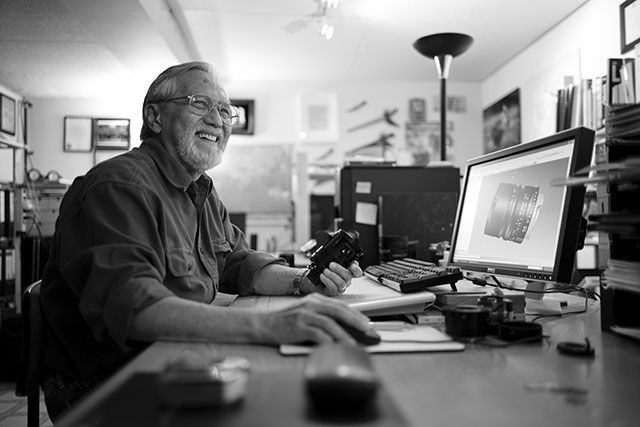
{"type": "Point", "coordinates": [33, 342]}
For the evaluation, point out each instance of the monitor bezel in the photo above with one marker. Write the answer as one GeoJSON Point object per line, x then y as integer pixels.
{"type": "Point", "coordinates": [570, 224]}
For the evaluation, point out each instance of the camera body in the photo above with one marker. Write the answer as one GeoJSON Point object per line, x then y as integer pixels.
{"type": "Point", "coordinates": [341, 248]}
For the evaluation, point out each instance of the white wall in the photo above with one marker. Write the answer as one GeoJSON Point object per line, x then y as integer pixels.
{"type": "Point", "coordinates": [46, 130]}
{"type": "Point", "coordinates": [578, 47]}
{"type": "Point", "coordinates": [277, 121]}
{"type": "Point", "coordinates": [276, 117]}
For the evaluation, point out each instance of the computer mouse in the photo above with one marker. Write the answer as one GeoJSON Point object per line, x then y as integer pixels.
{"type": "Point", "coordinates": [368, 337]}
{"type": "Point", "coordinates": [340, 376]}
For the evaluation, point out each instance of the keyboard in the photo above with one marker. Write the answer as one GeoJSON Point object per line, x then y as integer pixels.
{"type": "Point", "coordinates": [412, 275]}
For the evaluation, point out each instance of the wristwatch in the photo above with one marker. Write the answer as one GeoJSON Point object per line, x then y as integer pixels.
{"type": "Point", "coordinates": [296, 282]}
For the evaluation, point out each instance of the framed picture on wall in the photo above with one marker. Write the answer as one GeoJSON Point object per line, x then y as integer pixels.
{"type": "Point", "coordinates": [501, 123]}
{"type": "Point", "coordinates": [111, 134]}
{"type": "Point", "coordinates": [629, 25]}
{"type": "Point", "coordinates": [77, 134]}
{"type": "Point", "coordinates": [8, 114]}
{"type": "Point", "coordinates": [318, 117]}
{"type": "Point", "coordinates": [246, 116]}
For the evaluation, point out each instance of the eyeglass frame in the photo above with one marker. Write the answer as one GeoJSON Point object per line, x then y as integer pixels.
{"type": "Point", "coordinates": [214, 106]}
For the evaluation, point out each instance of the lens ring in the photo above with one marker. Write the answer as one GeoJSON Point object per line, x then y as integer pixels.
{"type": "Point", "coordinates": [513, 212]}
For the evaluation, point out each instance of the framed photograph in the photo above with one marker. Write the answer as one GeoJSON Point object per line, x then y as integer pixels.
{"type": "Point", "coordinates": [501, 123]}
{"type": "Point", "coordinates": [246, 117]}
{"type": "Point", "coordinates": [8, 114]}
{"type": "Point", "coordinates": [77, 134]}
{"type": "Point", "coordinates": [111, 134]}
{"type": "Point", "coordinates": [318, 117]}
{"type": "Point", "coordinates": [629, 25]}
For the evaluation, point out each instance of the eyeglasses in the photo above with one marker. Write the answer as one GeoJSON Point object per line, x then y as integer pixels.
{"type": "Point", "coordinates": [202, 105]}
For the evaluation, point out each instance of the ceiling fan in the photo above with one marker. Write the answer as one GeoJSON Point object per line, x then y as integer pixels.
{"type": "Point", "coordinates": [316, 19]}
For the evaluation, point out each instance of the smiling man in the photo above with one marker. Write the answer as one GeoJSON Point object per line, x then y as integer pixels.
{"type": "Point", "coordinates": [143, 245]}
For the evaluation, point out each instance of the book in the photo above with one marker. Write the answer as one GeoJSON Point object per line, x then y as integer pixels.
{"type": "Point", "coordinates": [621, 81]}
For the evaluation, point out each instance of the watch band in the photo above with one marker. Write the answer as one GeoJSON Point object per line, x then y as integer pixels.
{"type": "Point", "coordinates": [296, 282]}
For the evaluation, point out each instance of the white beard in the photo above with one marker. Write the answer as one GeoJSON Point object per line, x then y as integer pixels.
{"type": "Point", "coordinates": [199, 158]}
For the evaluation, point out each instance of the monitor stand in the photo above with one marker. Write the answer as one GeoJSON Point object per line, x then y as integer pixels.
{"type": "Point", "coordinates": [536, 304]}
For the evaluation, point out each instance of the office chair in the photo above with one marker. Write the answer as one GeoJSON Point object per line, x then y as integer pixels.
{"type": "Point", "coordinates": [28, 383]}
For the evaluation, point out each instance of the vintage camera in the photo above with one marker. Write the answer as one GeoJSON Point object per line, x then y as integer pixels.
{"type": "Point", "coordinates": [341, 248]}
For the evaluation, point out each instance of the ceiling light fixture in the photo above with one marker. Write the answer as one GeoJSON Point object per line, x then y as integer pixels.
{"type": "Point", "coordinates": [325, 29]}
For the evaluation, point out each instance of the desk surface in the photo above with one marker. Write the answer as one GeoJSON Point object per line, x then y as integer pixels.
{"type": "Point", "coordinates": [481, 386]}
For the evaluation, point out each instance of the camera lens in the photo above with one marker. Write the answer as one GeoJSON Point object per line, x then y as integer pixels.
{"type": "Point", "coordinates": [513, 212]}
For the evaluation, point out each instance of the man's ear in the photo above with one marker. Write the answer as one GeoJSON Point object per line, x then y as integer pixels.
{"type": "Point", "coordinates": [152, 117]}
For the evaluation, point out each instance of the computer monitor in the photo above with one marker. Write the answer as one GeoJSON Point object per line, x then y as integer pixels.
{"type": "Point", "coordinates": [511, 221]}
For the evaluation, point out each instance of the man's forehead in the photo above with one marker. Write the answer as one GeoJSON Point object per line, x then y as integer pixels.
{"type": "Point", "coordinates": [198, 81]}
{"type": "Point", "coordinates": [197, 78]}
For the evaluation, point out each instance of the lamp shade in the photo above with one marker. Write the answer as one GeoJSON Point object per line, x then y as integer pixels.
{"type": "Point", "coordinates": [443, 44]}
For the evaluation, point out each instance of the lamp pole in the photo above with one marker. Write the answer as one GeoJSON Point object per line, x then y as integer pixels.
{"type": "Point", "coordinates": [442, 48]}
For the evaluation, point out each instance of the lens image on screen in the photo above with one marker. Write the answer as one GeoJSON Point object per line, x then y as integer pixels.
{"type": "Point", "coordinates": [513, 212]}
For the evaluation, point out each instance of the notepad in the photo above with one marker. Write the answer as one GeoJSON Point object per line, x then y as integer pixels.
{"type": "Point", "coordinates": [411, 338]}
{"type": "Point", "coordinates": [364, 295]}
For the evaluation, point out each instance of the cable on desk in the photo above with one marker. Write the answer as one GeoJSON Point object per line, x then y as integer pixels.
{"type": "Point", "coordinates": [560, 288]}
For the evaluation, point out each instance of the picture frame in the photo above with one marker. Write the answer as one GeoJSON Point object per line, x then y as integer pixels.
{"type": "Point", "coordinates": [246, 119]}
{"type": "Point", "coordinates": [318, 121]}
{"type": "Point", "coordinates": [7, 114]}
{"type": "Point", "coordinates": [111, 134]}
{"type": "Point", "coordinates": [629, 25]}
{"type": "Point", "coordinates": [501, 123]}
{"type": "Point", "coordinates": [77, 134]}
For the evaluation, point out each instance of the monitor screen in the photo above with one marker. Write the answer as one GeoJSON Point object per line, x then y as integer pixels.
{"type": "Point", "coordinates": [511, 220]}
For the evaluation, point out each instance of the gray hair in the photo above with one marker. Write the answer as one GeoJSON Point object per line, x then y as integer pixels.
{"type": "Point", "coordinates": [164, 86]}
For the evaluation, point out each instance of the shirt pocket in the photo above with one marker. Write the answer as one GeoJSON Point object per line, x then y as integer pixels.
{"type": "Point", "coordinates": [180, 262]}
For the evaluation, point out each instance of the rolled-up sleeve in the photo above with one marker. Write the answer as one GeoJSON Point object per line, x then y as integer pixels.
{"type": "Point", "coordinates": [241, 266]}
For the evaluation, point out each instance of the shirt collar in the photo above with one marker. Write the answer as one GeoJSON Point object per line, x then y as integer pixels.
{"type": "Point", "coordinates": [170, 167]}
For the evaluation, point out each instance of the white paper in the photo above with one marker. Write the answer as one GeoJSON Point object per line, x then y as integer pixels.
{"type": "Point", "coordinates": [413, 338]}
{"type": "Point", "coordinates": [366, 213]}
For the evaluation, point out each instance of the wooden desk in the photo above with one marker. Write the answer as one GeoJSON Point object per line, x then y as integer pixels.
{"type": "Point", "coordinates": [481, 386]}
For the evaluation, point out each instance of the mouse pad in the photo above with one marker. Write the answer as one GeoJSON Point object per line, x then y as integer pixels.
{"type": "Point", "coordinates": [274, 399]}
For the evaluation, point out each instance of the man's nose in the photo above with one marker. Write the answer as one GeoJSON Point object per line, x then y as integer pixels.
{"type": "Point", "coordinates": [214, 116]}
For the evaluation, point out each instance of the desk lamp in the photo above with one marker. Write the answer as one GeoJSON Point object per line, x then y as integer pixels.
{"type": "Point", "coordinates": [442, 48]}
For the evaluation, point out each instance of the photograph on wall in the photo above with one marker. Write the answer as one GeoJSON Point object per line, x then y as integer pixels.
{"type": "Point", "coordinates": [7, 114]}
{"type": "Point", "coordinates": [111, 134]}
{"type": "Point", "coordinates": [246, 116]}
{"type": "Point", "coordinates": [501, 123]}
{"type": "Point", "coordinates": [423, 142]}
{"type": "Point", "coordinates": [318, 117]}
{"type": "Point", "coordinates": [77, 134]}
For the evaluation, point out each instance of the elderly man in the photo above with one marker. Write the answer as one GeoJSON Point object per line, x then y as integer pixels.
{"type": "Point", "coordinates": [143, 244]}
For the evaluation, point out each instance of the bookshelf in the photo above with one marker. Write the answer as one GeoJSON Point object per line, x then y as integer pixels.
{"type": "Point", "coordinates": [610, 105]}
{"type": "Point", "coordinates": [618, 219]}
{"type": "Point", "coordinates": [10, 287]}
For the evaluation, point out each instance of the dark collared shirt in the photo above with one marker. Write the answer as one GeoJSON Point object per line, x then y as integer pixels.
{"type": "Point", "coordinates": [132, 231]}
